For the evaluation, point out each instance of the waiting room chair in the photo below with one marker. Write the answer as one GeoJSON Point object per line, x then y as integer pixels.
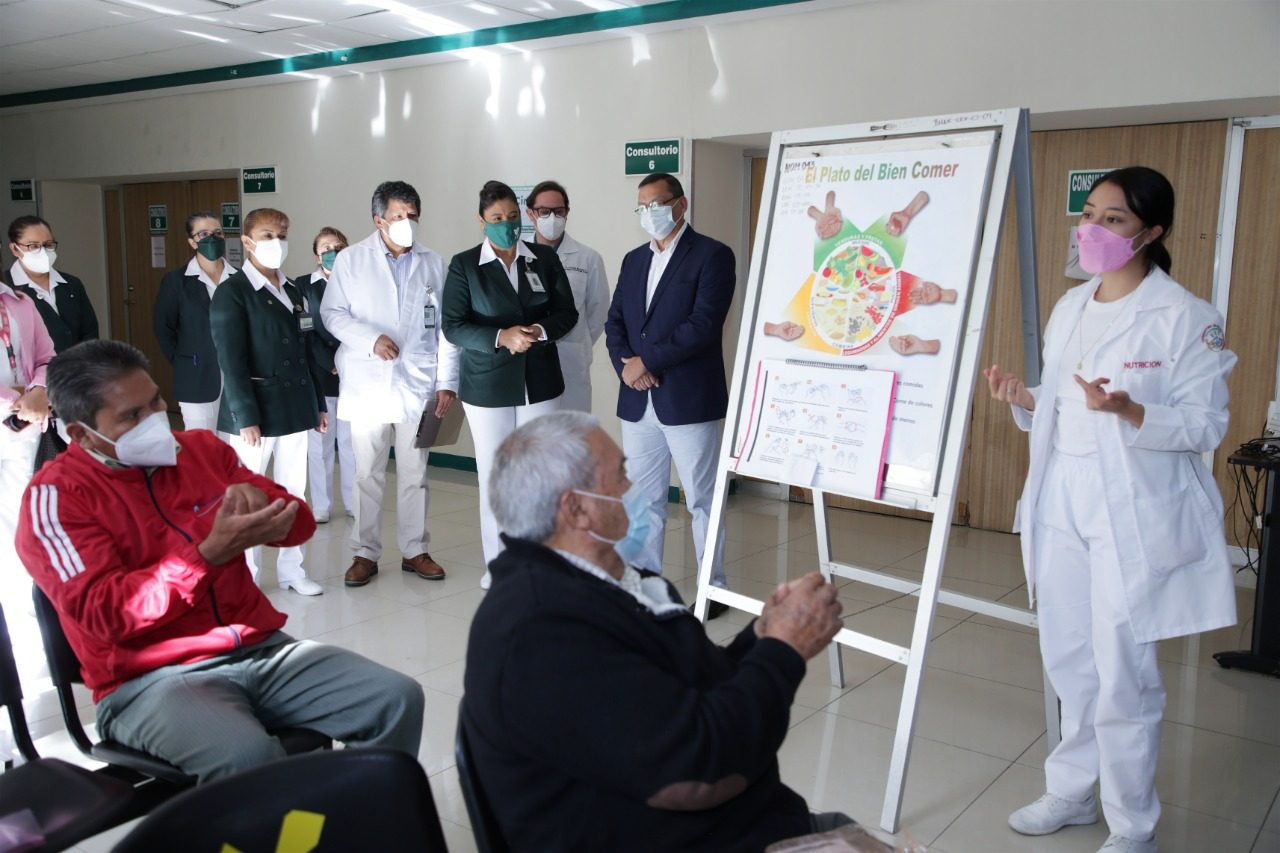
{"type": "Point", "coordinates": [484, 824]}
{"type": "Point", "coordinates": [64, 668]}
{"type": "Point", "coordinates": [46, 803]}
{"type": "Point", "coordinates": [340, 800]}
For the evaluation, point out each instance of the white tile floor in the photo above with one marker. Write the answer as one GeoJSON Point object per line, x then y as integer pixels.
{"type": "Point", "coordinates": [980, 745]}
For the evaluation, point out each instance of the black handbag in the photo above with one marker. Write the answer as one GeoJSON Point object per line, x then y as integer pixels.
{"type": "Point", "coordinates": [51, 443]}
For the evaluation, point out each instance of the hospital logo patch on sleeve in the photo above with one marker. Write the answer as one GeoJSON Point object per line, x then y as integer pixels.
{"type": "Point", "coordinates": [1213, 337]}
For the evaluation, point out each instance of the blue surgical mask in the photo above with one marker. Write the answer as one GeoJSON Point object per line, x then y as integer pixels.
{"type": "Point", "coordinates": [630, 546]}
{"type": "Point", "coordinates": [503, 235]}
{"type": "Point", "coordinates": [658, 223]}
{"type": "Point", "coordinates": [327, 258]}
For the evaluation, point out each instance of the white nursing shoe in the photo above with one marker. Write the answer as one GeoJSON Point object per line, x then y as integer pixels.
{"type": "Point", "coordinates": [1050, 813]}
{"type": "Point", "coordinates": [303, 586]}
{"type": "Point", "coordinates": [1120, 844]}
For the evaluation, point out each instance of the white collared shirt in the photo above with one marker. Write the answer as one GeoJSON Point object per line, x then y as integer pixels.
{"type": "Point", "coordinates": [19, 274]}
{"type": "Point", "coordinates": [661, 258]}
{"type": "Point", "coordinates": [488, 254]}
{"type": "Point", "coordinates": [259, 281]}
{"type": "Point", "coordinates": [651, 593]}
{"type": "Point", "coordinates": [194, 268]}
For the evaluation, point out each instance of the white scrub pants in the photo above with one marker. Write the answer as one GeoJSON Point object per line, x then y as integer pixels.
{"type": "Point", "coordinates": [1112, 695]}
{"type": "Point", "coordinates": [371, 444]}
{"type": "Point", "coordinates": [200, 415]}
{"type": "Point", "coordinates": [650, 446]}
{"type": "Point", "coordinates": [321, 447]}
{"type": "Point", "coordinates": [17, 459]}
{"type": "Point", "coordinates": [290, 471]}
{"type": "Point", "coordinates": [489, 426]}
{"type": "Point", "coordinates": [575, 366]}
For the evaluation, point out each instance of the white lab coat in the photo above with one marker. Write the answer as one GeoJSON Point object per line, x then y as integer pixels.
{"type": "Point", "coordinates": [585, 269]}
{"type": "Point", "coordinates": [360, 303]}
{"type": "Point", "coordinates": [1166, 350]}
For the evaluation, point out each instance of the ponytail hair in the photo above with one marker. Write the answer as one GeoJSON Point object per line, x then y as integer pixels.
{"type": "Point", "coordinates": [1150, 196]}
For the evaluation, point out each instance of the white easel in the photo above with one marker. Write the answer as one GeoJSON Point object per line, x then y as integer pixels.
{"type": "Point", "coordinates": [1013, 157]}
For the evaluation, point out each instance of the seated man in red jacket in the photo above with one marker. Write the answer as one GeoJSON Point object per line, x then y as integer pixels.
{"type": "Point", "coordinates": [138, 535]}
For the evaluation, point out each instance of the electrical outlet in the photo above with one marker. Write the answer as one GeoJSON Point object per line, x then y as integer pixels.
{"type": "Point", "coordinates": [1257, 521]}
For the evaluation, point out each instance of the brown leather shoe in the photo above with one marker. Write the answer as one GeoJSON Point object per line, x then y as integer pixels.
{"type": "Point", "coordinates": [425, 567]}
{"type": "Point", "coordinates": [361, 572]}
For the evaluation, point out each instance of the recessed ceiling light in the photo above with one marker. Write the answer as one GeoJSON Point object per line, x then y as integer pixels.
{"type": "Point", "coordinates": [205, 36]}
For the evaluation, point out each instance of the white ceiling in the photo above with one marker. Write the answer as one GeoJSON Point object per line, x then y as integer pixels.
{"type": "Point", "coordinates": [49, 44]}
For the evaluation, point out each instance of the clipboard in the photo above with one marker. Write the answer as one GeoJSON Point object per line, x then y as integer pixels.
{"type": "Point", "coordinates": [439, 432]}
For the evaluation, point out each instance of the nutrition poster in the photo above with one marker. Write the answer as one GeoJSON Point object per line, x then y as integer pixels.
{"type": "Point", "coordinates": [870, 254]}
{"type": "Point", "coordinates": [818, 426]}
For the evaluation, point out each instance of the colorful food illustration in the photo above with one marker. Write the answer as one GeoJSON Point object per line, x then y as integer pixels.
{"type": "Point", "coordinates": [854, 295]}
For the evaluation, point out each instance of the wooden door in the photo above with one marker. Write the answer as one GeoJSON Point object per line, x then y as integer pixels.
{"type": "Point", "coordinates": [1190, 154]}
{"type": "Point", "coordinates": [1253, 316]}
{"type": "Point", "coordinates": [148, 256]}
{"type": "Point", "coordinates": [118, 310]}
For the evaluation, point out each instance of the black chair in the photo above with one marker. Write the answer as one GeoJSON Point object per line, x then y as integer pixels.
{"type": "Point", "coordinates": [64, 669]}
{"type": "Point", "coordinates": [484, 824]}
{"type": "Point", "coordinates": [56, 802]}
{"type": "Point", "coordinates": [351, 799]}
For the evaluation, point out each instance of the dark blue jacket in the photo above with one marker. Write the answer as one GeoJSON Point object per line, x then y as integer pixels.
{"type": "Point", "coordinates": [678, 337]}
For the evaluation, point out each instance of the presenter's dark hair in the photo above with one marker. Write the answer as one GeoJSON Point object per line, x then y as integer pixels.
{"type": "Point", "coordinates": [22, 223]}
{"type": "Point", "coordinates": [389, 191]}
{"type": "Point", "coordinates": [493, 192]}
{"type": "Point", "coordinates": [80, 376]}
{"type": "Point", "coordinates": [673, 183]}
{"type": "Point", "coordinates": [1150, 196]}
{"type": "Point", "coordinates": [544, 187]}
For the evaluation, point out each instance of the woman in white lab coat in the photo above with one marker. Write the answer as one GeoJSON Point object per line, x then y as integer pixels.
{"type": "Point", "coordinates": [1121, 522]}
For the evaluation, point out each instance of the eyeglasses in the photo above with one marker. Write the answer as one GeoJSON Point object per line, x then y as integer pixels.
{"type": "Point", "coordinates": [52, 245]}
{"type": "Point", "coordinates": [544, 212]}
{"type": "Point", "coordinates": [655, 204]}
{"type": "Point", "coordinates": [200, 235]}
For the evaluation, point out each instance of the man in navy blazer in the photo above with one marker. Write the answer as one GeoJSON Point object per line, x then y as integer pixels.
{"type": "Point", "coordinates": [664, 338]}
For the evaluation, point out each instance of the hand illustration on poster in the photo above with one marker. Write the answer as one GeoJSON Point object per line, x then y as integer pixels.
{"type": "Point", "coordinates": [870, 255]}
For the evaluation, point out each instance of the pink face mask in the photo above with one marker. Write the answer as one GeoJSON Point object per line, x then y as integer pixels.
{"type": "Point", "coordinates": [1102, 250]}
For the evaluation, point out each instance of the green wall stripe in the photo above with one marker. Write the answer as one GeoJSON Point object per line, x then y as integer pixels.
{"type": "Point", "coordinates": [591, 22]}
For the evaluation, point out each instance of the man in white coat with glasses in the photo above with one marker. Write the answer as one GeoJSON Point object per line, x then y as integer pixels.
{"type": "Point", "coordinates": [383, 305]}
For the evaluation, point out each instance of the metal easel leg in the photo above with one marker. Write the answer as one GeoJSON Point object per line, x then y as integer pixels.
{"type": "Point", "coordinates": [834, 660]}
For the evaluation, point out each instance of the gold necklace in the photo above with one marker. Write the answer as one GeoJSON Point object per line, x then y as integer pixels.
{"type": "Point", "coordinates": [1097, 340]}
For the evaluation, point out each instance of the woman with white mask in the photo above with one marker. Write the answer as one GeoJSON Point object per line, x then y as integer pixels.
{"type": "Point", "coordinates": [1121, 522]}
{"type": "Point", "coordinates": [272, 395]}
{"type": "Point", "coordinates": [60, 297]}
{"type": "Point", "coordinates": [506, 303]}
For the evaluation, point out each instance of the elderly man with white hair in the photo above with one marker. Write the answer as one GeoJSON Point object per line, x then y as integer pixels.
{"type": "Point", "coordinates": [599, 715]}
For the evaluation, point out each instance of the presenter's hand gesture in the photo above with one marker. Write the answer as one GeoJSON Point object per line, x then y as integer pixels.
{"type": "Point", "coordinates": [1008, 388]}
{"type": "Point", "coordinates": [805, 615]}
{"type": "Point", "coordinates": [245, 520]}
{"type": "Point", "coordinates": [385, 348]}
{"type": "Point", "coordinates": [1119, 403]}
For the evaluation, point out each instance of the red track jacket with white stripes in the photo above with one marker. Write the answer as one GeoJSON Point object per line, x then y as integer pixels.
{"type": "Point", "coordinates": [115, 550]}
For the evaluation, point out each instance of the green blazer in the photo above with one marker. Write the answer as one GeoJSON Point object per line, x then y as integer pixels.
{"type": "Point", "coordinates": [324, 346]}
{"type": "Point", "coordinates": [75, 319]}
{"type": "Point", "coordinates": [479, 302]}
{"type": "Point", "coordinates": [180, 320]}
{"type": "Point", "coordinates": [268, 378]}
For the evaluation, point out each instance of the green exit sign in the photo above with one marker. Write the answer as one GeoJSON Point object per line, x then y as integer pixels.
{"type": "Point", "coordinates": [230, 216]}
{"type": "Point", "coordinates": [653, 155]}
{"type": "Point", "coordinates": [158, 218]}
{"type": "Point", "coordinates": [22, 190]}
{"type": "Point", "coordinates": [259, 179]}
{"type": "Point", "coordinates": [1079, 184]}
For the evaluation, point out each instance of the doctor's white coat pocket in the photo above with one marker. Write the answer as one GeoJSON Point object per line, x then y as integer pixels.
{"type": "Point", "coordinates": [1172, 531]}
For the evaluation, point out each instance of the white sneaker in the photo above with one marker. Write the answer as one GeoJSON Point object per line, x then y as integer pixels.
{"type": "Point", "coordinates": [321, 517]}
{"type": "Point", "coordinates": [303, 586]}
{"type": "Point", "coordinates": [485, 581]}
{"type": "Point", "coordinates": [1050, 813]}
{"type": "Point", "coordinates": [1120, 844]}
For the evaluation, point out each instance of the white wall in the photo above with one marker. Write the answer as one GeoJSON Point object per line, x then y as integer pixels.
{"type": "Point", "coordinates": [528, 113]}
{"type": "Point", "coordinates": [75, 212]}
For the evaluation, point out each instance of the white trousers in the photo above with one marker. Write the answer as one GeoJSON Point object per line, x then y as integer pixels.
{"type": "Point", "coordinates": [322, 447]}
{"type": "Point", "coordinates": [200, 415]}
{"type": "Point", "coordinates": [651, 446]}
{"type": "Point", "coordinates": [17, 461]}
{"type": "Point", "coordinates": [489, 426]}
{"type": "Point", "coordinates": [1110, 686]}
{"type": "Point", "coordinates": [576, 368]}
{"type": "Point", "coordinates": [290, 471]}
{"type": "Point", "coordinates": [371, 444]}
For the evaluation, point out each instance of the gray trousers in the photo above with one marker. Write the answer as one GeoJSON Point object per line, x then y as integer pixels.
{"type": "Point", "coordinates": [211, 718]}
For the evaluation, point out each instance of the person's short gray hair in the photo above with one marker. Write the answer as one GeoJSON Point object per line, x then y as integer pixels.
{"type": "Point", "coordinates": [78, 378]}
{"type": "Point", "coordinates": [534, 466]}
